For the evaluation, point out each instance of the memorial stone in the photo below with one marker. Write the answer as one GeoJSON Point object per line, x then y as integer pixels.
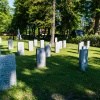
{"type": "Point", "coordinates": [48, 50]}
{"type": "Point", "coordinates": [88, 44]}
{"type": "Point", "coordinates": [64, 43]}
{"type": "Point", "coordinates": [10, 44]}
{"type": "Point", "coordinates": [30, 45]}
{"type": "Point", "coordinates": [7, 71]}
{"type": "Point", "coordinates": [0, 40]}
{"type": "Point", "coordinates": [57, 47]}
{"type": "Point", "coordinates": [83, 59]}
{"type": "Point", "coordinates": [60, 44]}
{"type": "Point", "coordinates": [41, 43]}
{"type": "Point", "coordinates": [40, 57]}
{"type": "Point", "coordinates": [35, 42]}
{"type": "Point", "coordinates": [80, 45]}
{"type": "Point", "coordinates": [20, 48]}
{"type": "Point", "coordinates": [55, 39]}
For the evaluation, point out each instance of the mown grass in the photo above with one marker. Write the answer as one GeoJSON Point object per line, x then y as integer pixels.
{"type": "Point", "coordinates": [61, 79]}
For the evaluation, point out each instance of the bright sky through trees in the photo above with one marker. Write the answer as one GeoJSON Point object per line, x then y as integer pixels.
{"type": "Point", "coordinates": [11, 3]}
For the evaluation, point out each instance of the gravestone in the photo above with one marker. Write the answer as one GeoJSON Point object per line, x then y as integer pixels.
{"type": "Point", "coordinates": [48, 50]}
{"type": "Point", "coordinates": [10, 44]}
{"type": "Point", "coordinates": [88, 44]}
{"type": "Point", "coordinates": [41, 43]}
{"type": "Point", "coordinates": [35, 42]}
{"type": "Point", "coordinates": [80, 45]}
{"type": "Point", "coordinates": [40, 57]}
{"type": "Point", "coordinates": [20, 48]}
{"type": "Point", "coordinates": [55, 39]}
{"type": "Point", "coordinates": [0, 40]}
{"type": "Point", "coordinates": [7, 71]}
{"type": "Point", "coordinates": [60, 44]}
{"type": "Point", "coordinates": [19, 35]}
{"type": "Point", "coordinates": [57, 47]}
{"type": "Point", "coordinates": [64, 43]}
{"type": "Point", "coordinates": [30, 45]}
{"type": "Point", "coordinates": [83, 59]}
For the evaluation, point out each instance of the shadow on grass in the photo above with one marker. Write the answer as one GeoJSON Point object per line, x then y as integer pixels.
{"type": "Point", "coordinates": [60, 80]}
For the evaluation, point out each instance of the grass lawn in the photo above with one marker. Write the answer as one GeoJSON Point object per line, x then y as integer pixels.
{"type": "Point", "coordinates": [61, 79]}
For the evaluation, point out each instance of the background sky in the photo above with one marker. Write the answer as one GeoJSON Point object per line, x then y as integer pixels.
{"type": "Point", "coordinates": [11, 3]}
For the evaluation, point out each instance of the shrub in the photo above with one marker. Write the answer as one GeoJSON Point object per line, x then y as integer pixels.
{"type": "Point", "coordinates": [94, 40]}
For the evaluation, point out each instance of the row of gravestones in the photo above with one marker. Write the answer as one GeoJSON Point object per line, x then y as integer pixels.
{"type": "Point", "coordinates": [83, 55]}
{"type": "Point", "coordinates": [8, 64]}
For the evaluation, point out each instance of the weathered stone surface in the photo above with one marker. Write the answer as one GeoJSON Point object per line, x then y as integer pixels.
{"type": "Point", "coordinates": [30, 45]}
{"type": "Point", "coordinates": [40, 57]}
{"type": "Point", "coordinates": [7, 71]}
{"type": "Point", "coordinates": [57, 47]}
{"type": "Point", "coordinates": [35, 42]}
{"type": "Point", "coordinates": [41, 43]}
{"type": "Point", "coordinates": [20, 48]}
{"type": "Point", "coordinates": [10, 44]}
{"type": "Point", "coordinates": [48, 50]}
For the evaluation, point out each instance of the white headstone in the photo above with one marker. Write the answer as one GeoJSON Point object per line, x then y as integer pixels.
{"type": "Point", "coordinates": [40, 57]}
{"type": "Point", "coordinates": [55, 39]}
{"type": "Point", "coordinates": [7, 71]}
{"type": "Point", "coordinates": [30, 45]}
{"type": "Point", "coordinates": [41, 43]}
{"type": "Point", "coordinates": [88, 44]}
{"type": "Point", "coordinates": [0, 40]}
{"type": "Point", "coordinates": [10, 44]}
{"type": "Point", "coordinates": [48, 50]}
{"type": "Point", "coordinates": [60, 44]}
{"type": "Point", "coordinates": [20, 48]}
{"type": "Point", "coordinates": [64, 43]}
{"type": "Point", "coordinates": [80, 45]}
{"type": "Point", "coordinates": [35, 42]}
{"type": "Point", "coordinates": [57, 47]}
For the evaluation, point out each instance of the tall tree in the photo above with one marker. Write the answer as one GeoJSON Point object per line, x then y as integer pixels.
{"type": "Point", "coordinates": [53, 23]}
{"type": "Point", "coordinates": [5, 16]}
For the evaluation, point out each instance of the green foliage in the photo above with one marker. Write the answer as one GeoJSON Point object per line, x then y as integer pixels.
{"type": "Point", "coordinates": [5, 16]}
{"type": "Point", "coordinates": [94, 40]}
{"type": "Point", "coordinates": [8, 37]}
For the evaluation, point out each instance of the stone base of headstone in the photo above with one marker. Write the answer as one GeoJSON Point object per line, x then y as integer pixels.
{"type": "Point", "coordinates": [83, 59]}
{"type": "Point", "coordinates": [7, 71]}
{"type": "Point", "coordinates": [40, 57]}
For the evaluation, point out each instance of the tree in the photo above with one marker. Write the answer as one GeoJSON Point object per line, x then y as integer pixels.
{"type": "Point", "coordinates": [5, 16]}
{"type": "Point", "coordinates": [53, 23]}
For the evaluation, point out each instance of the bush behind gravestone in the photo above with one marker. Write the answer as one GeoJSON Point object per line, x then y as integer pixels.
{"type": "Point", "coordinates": [94, 40]}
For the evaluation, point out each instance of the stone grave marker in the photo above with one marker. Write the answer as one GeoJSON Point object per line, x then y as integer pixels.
{"type": "Point", "coordinates": [48, 50]}
{"type": "Point", "coordinates": [80, 45]}
{"type": "Point", "coordinates": [88, 44]}
{"type": "Point", "coordinates": [0, 40]}
{"type": "Point", "coordinates": [20, 48]}
{"type": "Point", "coordinates": [35, 42]}
{"type": "Point", "coordinates": [41, 43]}
{"type": "Point", "coordinates": [7, 71]}
{"type": "Point", "coordinates": [40, 57]}
{"type": "Point", "coordinates": [83, 59]}
{"type": "Point", "coordinates": [57, 47]}
{"type": "Point", "coordinates": [55, 39]}
{"type": "Point", "coordinates": [64, 43]}
{"type": "Point", "coordinates": [10, 44]}
{"type": "Point", "coordinates": [30, 45]}
{"type": "Point", "coordinates": [60, 44]}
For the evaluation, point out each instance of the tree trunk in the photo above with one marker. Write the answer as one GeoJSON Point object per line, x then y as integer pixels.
{"type": "Point", "coordinates": [53, 25]}
{"type": "Point", "coordinates": [96, 27]}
